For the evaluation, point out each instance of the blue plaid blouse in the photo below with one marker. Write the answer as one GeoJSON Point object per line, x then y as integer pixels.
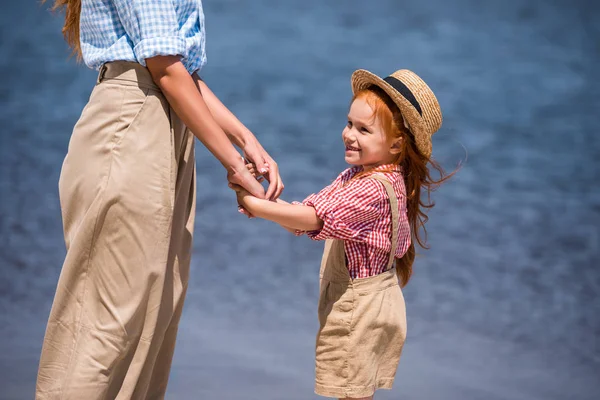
{"type": "Point", "coordinates": [133, 30]}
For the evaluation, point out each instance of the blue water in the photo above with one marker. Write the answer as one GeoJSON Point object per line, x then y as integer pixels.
{"type": "Point", "coordinates": [504, 305]}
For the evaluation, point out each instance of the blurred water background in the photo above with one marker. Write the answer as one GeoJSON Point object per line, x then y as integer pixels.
{"type": "Point", "coordinates": [505, 304]}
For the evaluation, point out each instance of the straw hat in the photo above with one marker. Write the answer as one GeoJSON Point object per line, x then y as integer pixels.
{"type": "Point", "coordinates": [417, 103]}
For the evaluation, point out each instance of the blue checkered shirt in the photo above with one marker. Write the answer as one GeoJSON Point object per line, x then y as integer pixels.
{"type": "Point", "coordinates": [133, 30]}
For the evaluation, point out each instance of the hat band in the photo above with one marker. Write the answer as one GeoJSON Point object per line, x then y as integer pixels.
{"type": "Point", "coordinates": [405, 92]}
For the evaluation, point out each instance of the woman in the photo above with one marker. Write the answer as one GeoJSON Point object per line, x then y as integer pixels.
{"type": "Point", "coordinates": [127, 192]}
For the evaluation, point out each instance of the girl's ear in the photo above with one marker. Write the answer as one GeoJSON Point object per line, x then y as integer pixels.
{"type": "Point", "coordinates": [396, 146]}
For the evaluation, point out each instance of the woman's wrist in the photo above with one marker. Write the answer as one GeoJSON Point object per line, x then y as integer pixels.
{"type": "Point", "coordinates": [234, 164]}
{"type": "Point", "coordinates": [240, 136]}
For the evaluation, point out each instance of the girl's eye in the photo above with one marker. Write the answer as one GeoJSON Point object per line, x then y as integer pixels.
{"type": "Point", "coordinates": [364, 130]}
{"type": "Point", "coordinates": [349, 124]}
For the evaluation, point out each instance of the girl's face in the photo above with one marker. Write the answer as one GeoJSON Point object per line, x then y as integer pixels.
{"type": "Point", "coordinates": [366, 143]}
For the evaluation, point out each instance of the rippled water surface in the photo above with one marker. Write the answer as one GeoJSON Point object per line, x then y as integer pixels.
{"type": "Point", "coordinates": [505, 303]}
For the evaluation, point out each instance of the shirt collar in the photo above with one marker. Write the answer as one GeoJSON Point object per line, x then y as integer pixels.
{"type": "Point", "coordinates": [385, 168]}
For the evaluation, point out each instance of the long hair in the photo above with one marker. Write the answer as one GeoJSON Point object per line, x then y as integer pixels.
{"type": "Point", "coordinates": [417, 175]}
{"type": "Point", "coordinates": [70, 29]}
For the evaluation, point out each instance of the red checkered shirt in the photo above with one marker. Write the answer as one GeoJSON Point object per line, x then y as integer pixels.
{"type": "Point", "coordinates": [358, 212]}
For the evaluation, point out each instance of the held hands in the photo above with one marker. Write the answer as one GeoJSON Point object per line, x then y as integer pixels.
{"type": "Point", "coordinates": [243, 195]}
{"type": "Point", "coordinates": [258, 175]}
{"type": "Point", "coordinates": [264, 166]}
{"type": "Point", "coordinates": [293, 218]}
{"type": "Point", "coordinates": [241, 176]}
{"type": "Point", "coordinates": [259, 166]}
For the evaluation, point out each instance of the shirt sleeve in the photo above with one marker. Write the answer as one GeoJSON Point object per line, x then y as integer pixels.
{"type": "Point", "coordinates": [322, 194]}
{"type": "Point", "coordinates": [349, 213]}
{"type": "Point", "coordinates": [152, 27]}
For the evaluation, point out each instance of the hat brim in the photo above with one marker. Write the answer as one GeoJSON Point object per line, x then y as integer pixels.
{"type": "Point", "coordinates": [363, 79]}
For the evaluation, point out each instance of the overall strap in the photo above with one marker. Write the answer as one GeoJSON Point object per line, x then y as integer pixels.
{"type": "Point", "coordinates": [394, 207]}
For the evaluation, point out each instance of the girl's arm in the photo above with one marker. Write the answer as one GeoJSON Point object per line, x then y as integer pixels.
{"type": "Point", "coordinates": [347, 214]}
{"type": "Point", "coordinates": [291, 216]}
{"type": "Point", "coordinates": [180, 90]}
{"type": "Point", "coordinates": [287, 228]}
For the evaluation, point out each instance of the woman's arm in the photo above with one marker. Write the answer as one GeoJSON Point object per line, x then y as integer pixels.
{"type": "Point", "coordinates": [243, 138]}
{"type": "Point", "coordinates": [180, 90]}
{"type": "Point", "coordinates": [233, 127]}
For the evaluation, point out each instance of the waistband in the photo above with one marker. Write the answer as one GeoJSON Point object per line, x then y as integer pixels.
{"type": "Point", "coordinates": [127, 72]}
{"type": "Point", "coordinates": [365, 285]}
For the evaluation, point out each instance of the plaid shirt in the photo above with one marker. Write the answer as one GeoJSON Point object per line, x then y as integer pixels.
{"type": "Point", "coordinates": [358, 212]}
{"type": "Point", "coordinates": [133, 30]}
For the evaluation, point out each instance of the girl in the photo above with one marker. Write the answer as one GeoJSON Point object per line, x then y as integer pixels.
{"type": "Point", "coordinates": [370, 218]}
{"type": "Point", "coordinates": [128, 196]}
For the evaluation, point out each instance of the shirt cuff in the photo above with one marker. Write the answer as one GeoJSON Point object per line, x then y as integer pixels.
{"type": "Point", "coordinates": [160, 46]}
{"type": "Point", "coordinates": [325, 232]}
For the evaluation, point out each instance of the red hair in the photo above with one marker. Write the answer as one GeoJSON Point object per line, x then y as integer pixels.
{"type": "Point", "coordinates": [70, 29]}
{"type": "Point", "coordinates": [415, 171]}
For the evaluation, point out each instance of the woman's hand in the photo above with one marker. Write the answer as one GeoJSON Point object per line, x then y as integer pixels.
{"type": "Point", "coordinates": [241, 192]}
{"type": "Point", "coordinates": [244, 178]}
{"type": "Point", "coordinates": [267, 167]}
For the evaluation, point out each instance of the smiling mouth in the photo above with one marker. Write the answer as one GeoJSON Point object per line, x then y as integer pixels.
{"type": "Point", "coordinates": [350, 148]}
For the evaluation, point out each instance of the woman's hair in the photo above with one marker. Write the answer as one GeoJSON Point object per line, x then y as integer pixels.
{"type": "Point", "coordinates": [414, 169]}
{"type": "Point", "coordinates": [70, 29]}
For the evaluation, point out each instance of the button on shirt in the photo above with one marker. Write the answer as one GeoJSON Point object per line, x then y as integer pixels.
{"type": "Point", "coordinates": [358, 211]}
{"type": "Point", "coordinates": [133, 30]}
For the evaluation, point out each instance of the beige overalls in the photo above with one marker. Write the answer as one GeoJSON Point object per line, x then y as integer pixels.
{"type": "Point", "coordinates": [362, 322]}
{"type": "Point", "coordinates": [127, 193]}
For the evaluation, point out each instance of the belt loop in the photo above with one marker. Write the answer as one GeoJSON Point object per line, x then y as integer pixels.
{"type": "Point", "coordinates": [102, 72]}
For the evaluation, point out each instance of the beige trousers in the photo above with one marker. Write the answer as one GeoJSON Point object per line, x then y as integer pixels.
{"type": "Point", "coordinates": [362, 323]}
{"type": "Point", "coordinates": [127, 193]}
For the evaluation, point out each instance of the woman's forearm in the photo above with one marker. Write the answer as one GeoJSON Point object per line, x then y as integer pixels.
{"type": "Point", "coordinates": [233, 127]}
{"type": "Point", "coordinates": [183, 96]}
{"type": "Point", "coordinates": [291, 216]}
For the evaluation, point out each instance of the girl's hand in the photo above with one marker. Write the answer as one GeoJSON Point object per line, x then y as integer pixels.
{"type": "Point", "coordinates": [240, 192]}
{"type": "Point", "coordinates": [242, 210]}
{"type": "Point", "coordinates": [254, 171]}
{"type": "Point", "coordinates": [242, 196]}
